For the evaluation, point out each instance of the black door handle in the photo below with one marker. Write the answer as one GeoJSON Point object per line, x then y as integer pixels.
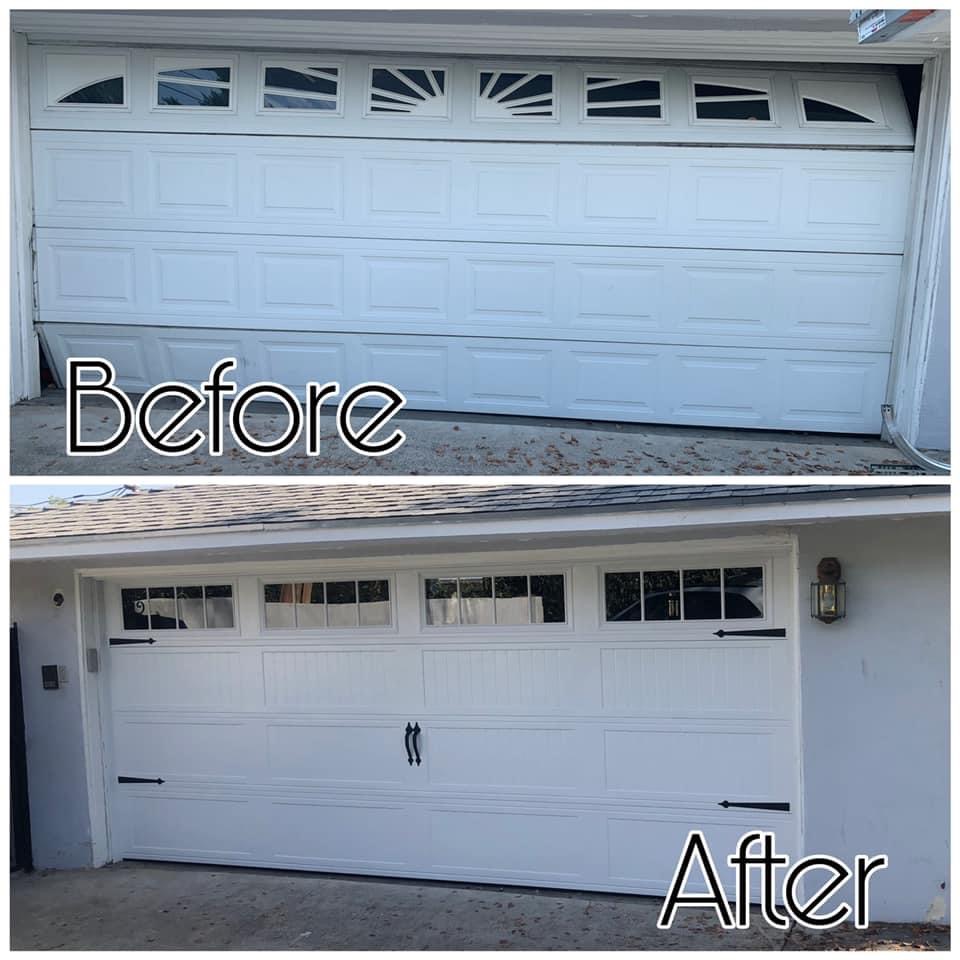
{"type": "Point", "coordinates": [416, 741]}
{"type": "Point", "coordinates": [406, 742]}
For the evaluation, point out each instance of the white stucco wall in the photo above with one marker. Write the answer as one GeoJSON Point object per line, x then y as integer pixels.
{"type": "Point", "coordinates": [874, 700]}
{"type": "Point", "coordinates": [876, 705]}
{"type": "Point", "coordinates": [56, 771]}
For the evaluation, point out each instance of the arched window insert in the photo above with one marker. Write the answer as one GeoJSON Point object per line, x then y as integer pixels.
{"type": "Point", "coordinates": [820, 111]}
{"type": "Point", "coordinates": [717, 100]}
{"type": "Point", "coordinates": [515, 95]}
{"type": "Point", "coordinates": [301, 87]}
{"type": "Point", "coordinates": [408, 91]}
{"type": "Point", "coordinates": [107, 91]}
{"type": "Point", "coordinates": [615, 97]}
{"type": "Point", "coordinates": [194, 86]}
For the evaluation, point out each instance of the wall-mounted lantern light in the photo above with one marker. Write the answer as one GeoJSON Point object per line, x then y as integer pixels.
{"type": "Point", "coordinates": [828, 596]}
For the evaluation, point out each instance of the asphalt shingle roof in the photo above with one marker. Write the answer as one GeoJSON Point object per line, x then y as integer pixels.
{"type": "Point", "coordinates": [216, 506]}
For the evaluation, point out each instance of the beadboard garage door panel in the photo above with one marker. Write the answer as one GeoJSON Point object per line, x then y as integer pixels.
{"type": "Point", "coordinates": [479, 256]}
{"type": "Point", "coordinates": [574, 757]}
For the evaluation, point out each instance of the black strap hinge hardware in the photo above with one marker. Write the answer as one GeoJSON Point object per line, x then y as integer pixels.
{"type": "Point", "coordinates": [126, 641]}
{"type": "Point", "coordinates": [773, 632]}
{"type": "Point", "coordinates": [139, 780]}
{"type": "Point", "coordinates": [785, 807]}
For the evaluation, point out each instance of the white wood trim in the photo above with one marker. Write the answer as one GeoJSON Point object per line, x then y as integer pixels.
{"type": "Point", "coordinates": [62, 25]}
{"type": "Point", "coordinates": [24, 343]}
{"type": "Point", "coordinates": [929, 203]}
{"type": "Point", "coordinates": [97, 750]}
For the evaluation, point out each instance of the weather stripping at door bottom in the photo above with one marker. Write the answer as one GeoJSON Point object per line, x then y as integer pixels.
{"type": "Point", "coordinates": [139, 780]}
{"type": "Point", "coordinates": [785, 807]}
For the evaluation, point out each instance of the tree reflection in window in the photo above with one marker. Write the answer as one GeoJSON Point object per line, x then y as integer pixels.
{"type": "Point", "coordinates": [108, 91]}
{"type": "Point", "coordinates": [194, 86]}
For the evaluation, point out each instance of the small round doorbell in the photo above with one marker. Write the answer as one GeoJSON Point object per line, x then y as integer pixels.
{"type": "Point", "coordinates": [58, 599]}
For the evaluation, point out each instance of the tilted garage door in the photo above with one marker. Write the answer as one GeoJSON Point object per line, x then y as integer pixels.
{"type": "Point", "coordinates": [714, 245]}
{"type": "Point", "coordinates": [516, 723]}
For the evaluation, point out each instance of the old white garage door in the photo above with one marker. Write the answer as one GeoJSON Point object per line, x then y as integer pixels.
{"type": "Point", "coordinates": [529, 724]}
{"type": "Point", "coordinates": [694, 245]}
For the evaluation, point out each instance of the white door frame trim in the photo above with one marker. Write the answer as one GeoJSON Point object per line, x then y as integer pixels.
{"type": "Point", "coordinates": [922, 267]}
{"type": "Point", "coordinates": [24, 343]}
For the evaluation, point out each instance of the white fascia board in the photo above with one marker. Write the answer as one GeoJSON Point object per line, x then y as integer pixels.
{"type": "Point", "coordinates": [264, 32]}
{"type": "Point", "coordinates": [447, 529]}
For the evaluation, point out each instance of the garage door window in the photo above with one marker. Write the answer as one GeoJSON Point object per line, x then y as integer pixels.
{"type": "Point", "coordinates": [408, 91]}
{"type": "Point", "coordinates": [697, 593]}
{"type": "Point", "coordinates": [328, 604]}
{"type": "Point", "coordinates": [297, 86]}
{"type": "Point", "coordinates": [196, 84]}
{"type": "Point", "coordinates": [194, 607]}
{"type": "Point", "coordinates": [514, 94]}
{"type": "Point", "coordinates": [610, 96]}
{"type": "Point", "coordinates": [513, 600]}
{"type": "Point", "coordinates": [720, 100]}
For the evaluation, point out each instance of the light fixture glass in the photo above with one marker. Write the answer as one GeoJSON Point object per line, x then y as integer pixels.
{"type": "Point", "coordinates": [828, 594]}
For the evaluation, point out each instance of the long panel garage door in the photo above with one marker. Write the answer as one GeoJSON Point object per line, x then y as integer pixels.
{"type": "Point", "coordinates": [455, 725]}
{"type": "Point", "coordinates": [638, 243]}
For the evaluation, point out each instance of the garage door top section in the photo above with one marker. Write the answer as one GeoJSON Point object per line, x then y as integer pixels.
{"type": "Point", "coordinates": [477, 99]}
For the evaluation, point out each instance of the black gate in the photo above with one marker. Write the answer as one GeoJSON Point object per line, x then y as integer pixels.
{"type": "Point", "coordinates": [21, 848]}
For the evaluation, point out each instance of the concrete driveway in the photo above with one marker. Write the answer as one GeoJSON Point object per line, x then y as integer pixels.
{"type": "Point", "coordinates": [137, 906]}
{"type": "Point", "coordinates": [457, 445]}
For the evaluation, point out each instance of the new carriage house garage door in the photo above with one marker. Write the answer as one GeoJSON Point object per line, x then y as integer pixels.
{"type": "Point", "coordinates": [680, 244]}
{"type": "Point", "coordinates": [519, 722]}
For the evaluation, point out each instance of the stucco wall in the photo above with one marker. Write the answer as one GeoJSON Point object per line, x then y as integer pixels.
{"type": "Point", "coordinates": [875, 701]}
{"type": "Point", "coordinates": [59, 817]}
{"type": "Point", "coordinates": [934, 430]}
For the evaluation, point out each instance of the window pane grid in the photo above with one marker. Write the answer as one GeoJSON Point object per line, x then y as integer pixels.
{"type": "Point", "coordinates": [684, 594]}
{"type": "Point", "coordinates": [191, 607]}
{"type": "Point", "coordinates": [494, 600]}
{"type": "Point", "coordinates": [327, 604]}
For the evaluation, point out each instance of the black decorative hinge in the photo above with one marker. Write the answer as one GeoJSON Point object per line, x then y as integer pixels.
{"type": "Point", "coordinates": [139, 780]}
{"type": "Point", "coordinates": [773, 632]}
{"type": "Point", "coordinates": [126, 641]}
{"type": "Point", "coordinates": [785, 807]}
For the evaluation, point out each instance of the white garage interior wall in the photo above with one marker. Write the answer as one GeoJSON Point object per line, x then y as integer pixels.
{"type": "Point", "coordinates": [677, 270]}
{"type": "Point", "coordinates": [874, 706]}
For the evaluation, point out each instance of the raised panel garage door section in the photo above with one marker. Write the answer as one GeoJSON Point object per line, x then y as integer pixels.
{"type": "Point", "coordinates": [660, 244]}
{"type": "Point", "coordinates": [493, 725]}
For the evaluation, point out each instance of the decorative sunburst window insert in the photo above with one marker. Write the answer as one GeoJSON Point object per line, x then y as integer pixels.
{"type": "Point", "coordinates": [193, 83]}
{"type": "Point", "coordinates": [408, 91]}
{"type": "Point", "coordinates": [617, 96]}
{"type": "Point", "coordinates": [76, 80]}
{"type": "Point", "coordinates": [830, 103]}
{"type": "Point", "coordinates": [306, 87]}
{"type": "Point", "coordinates": [725, 100]}
{"type": "Point", "coordinates": [515, 95]}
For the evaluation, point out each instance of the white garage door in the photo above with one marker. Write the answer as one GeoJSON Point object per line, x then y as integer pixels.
{"type": "Point", "coordinates": [511, 724]}
{"type": "Point", "coordinates": [644, 243]}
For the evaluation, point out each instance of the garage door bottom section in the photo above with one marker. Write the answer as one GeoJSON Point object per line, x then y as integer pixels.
{"type": "Point", "coordinates": [523, 844]}
{"type": "Point", "coordinates": [575, 803]}
{"type": "Point", "coordinates": [668, 383]}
